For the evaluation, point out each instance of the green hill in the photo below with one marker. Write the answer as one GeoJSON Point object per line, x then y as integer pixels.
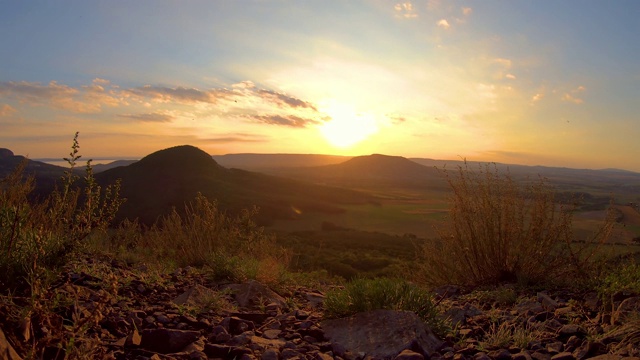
{"type": "Point", "coordinates": [171, 177]}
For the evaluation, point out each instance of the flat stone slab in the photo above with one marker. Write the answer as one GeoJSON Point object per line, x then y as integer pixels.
{"type": "Point", "coordinates": [382, 334]}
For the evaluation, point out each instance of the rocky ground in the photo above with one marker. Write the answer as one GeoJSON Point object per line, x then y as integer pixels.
{"type": "Point", "coordinates": [103, 309]}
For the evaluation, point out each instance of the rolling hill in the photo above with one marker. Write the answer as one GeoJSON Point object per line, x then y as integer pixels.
{"type": "Point", "coordinates": [369, 171]}
{"type": "Point", "coordinates": [171, 177]}
{"type": "Point", "coordinates": [45, 175]}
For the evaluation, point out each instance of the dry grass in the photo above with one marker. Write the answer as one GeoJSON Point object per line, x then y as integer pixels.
{"type": "Point", "coordinates": [501, 231]}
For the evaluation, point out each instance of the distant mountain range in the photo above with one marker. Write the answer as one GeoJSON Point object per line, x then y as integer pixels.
{"type": "Point", "coordinates": [290, 185]}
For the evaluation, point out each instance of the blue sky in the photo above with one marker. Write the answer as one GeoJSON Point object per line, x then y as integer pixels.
{"type": "Point", "coordinates": [530, 82]}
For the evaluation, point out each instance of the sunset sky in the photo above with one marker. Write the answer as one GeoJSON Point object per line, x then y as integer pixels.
{"type": "Point", "coordinates": [530, 82]}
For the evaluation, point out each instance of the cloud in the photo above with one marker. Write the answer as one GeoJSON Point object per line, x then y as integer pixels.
{"type": "Point", "coordinates": [149, 117]}
{"type": "Point", "coordinates": [283, 99]}
{"type": "Point", "coordinates": [443, 23]}
{"type": "Point", "coordinates": [34, 92]}
{"type": "Point", "coordinates": [510, 76]}
{"type": "Point", "coordinates": [244, 138]}
{"type": "Point", "coordinates": [7, 110]}
{"type": "Point", "coordinates": [396, 119]}
{"type": "Point", "coordinates": [284, 120]}
{"type": "Point", "coordinates": [504, 62]}
{"type": "Point", "coordinates": [466, 11]}
{"type": "Point", "coordinates": [177, 94]}
{"type": "Point", "coordinates": [87, 99]}
{"type": "Point", "coordinates": [405, 10]}
{"type": "Point", "coordinates": [572, 99]}
{"type": "Point", "coordinates": [537, 97]}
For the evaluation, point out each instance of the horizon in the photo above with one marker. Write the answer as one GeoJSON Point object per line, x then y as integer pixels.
{"type": "Point", "coordinates": [109, 159]}
{"type": "Point", "coordinates": [538, 84]}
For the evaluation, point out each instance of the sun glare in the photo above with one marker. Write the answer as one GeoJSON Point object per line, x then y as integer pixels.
{"type": "Point", "coordinates": [347, 127]}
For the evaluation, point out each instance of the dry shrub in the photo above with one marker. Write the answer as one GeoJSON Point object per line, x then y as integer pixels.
{"type": "Point", "coordinates": [233, 246]}
{"type": "Point", "coordinates": [504, 231]}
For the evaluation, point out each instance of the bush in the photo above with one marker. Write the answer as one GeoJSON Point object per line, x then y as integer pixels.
{"type": "Point", "coordinates": [233, 246]}
{"type": "Point", "coordinates": [624, 278]}
{"type": "Point", "coordinates": [501, 231]}
{"type": "Point", "coordinates": [39, 236]}
{"type": "Point", "coordinates": [383, 293]}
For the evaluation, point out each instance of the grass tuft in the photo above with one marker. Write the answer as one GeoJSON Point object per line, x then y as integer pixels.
{"type": "Point", "coordinates": [362, 295]}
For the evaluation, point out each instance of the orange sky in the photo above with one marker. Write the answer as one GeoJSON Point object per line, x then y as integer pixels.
{"type": "Point", "coordinates": [516, 82]}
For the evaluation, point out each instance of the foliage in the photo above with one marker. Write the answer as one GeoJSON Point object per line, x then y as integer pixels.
{"type": "Point", "coordinates": [501, 231]}
{"type": "Point", "coordinates": [622, 278]}
{"type": "Point", "coordinates": [233, 246]}
{"type": "Point", "coordinates": [36, 236]}
{"type": "Point", "coordinates": [383, 293]}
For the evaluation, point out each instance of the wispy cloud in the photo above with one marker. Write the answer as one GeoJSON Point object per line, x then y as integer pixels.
{"type": "Point", "coordinates": [178, 94]}
{"type": "Point", "coordinates": [443, 23]}
{"type": "Point", "coordinates": [466, 11]}
{"type": "Point", "coordinates": [86, 99]}
{"type": "Point", "coordinates": [283, 120]}
{"type": "Point", "coordinates": [283, 99]}
{"type": "Point", "coordinates": [537, 97]}
{"type": "Point", "coordinates": [405, 10]}
{"type": "Point", "coordinates": [572, 96]}
{"type": "Point", "coordinates": [7, 110]}
{"type": "Point", "coordinates": [236, 138]}
{"type": "Point", "coordinates": [149, 117]}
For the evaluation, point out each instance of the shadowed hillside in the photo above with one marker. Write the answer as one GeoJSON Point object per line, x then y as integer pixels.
{"type": "Point", "coordinates": [45, 175]}
{"type": "Point", "coordinates": [171, 177]}
{"type": "Point", "coordinates": [372, 170]}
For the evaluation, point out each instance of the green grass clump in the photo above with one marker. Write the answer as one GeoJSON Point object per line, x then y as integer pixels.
{"type": "Point", "coordinates": [362, 295]}
{"type": "Point", "coordinates": [504, 231]}
{"type": "Point", "coordinates": [623, 278]}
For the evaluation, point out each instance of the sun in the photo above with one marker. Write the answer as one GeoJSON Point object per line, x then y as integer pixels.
{"type": "Point", "coordinates": [347, 127]}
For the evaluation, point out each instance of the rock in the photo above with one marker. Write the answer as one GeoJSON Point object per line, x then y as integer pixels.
{"type": "Point", "coordinates": [606, 357]}
{"type": "Point", "coordinates": [271, 354]}
{"type": "Point", "coordinates": [502, 354]}
{"type": "Point", "coordinates": [529, 308]}
{"type": "Point", "coordinates": [247, 294]}
{"type": "Point", "coordinates": [547, 302]}
{"type": "Point", "coordinates": [539, 355]}
{"type": "Point", "coordinates": [315, 299]}
{"type": "Point", "coordinates": [563, 356]}
{"type": "Point", "coordinates": [523, 355]}
{"type": "Point", "coordinates": [382, 333]}
{"type": "Point", "coordinates": [409, 355]}
{"type": "Point", "coordinates": [447, 291]}
{"type": "Point", "coordinates": [323, 356]}
{"type": "Point", "coordinates": [7, 351]}
{"type": "Point", "coordinates": [481, 356]}
{"type": "Point", "coordinates": [459, 315]}
{"type": "Point", "coordinates": [267, 343]}
{"type": "Point", "coordinates": [167, 341]}
{"type": "Point", "coordinates": [271, 334]}
{"type": "Point", "coordinates": [217, 351]}
{"type": "Point", "coordinates": [592, 301]}
{"type": "Point", "coordinates": [134, 339]}
{"type": "Point", "coordinates": [197, 295]}
{"type": "Point", "coordinates": [571, 330]}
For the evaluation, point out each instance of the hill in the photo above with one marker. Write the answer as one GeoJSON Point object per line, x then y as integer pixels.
{"type": "Point", "coordinates": [259, 162]}
{"type": "Point", "coordinates": [45, 175]}
{"type": "Point", "coordinates": [369, 171]}
{"type": "Point", "coordinates": [171, 177]}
